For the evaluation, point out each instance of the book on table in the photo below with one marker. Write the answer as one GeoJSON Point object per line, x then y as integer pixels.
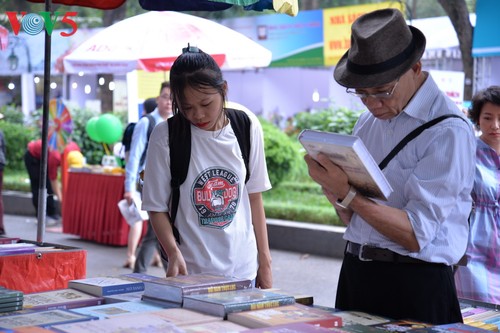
{"type": "Point", "coordinates": [291, 328]}
{"type": "Point", "coordinates": [167, 320]}
{"type": "Point", "coordinates": [352, 156]}
{"type": "Point", "coordinates": [107, 285]}
{"type": "Point", "coordinates": [222, 326]}
{"type": "Point", "coordinates": [117, 309]}
{"type": "Point", "coordinates": [60, 299]}
{"type": "Point", "coordinates": [401, 325]}
{"type": "Point", "coordinates": [360, 317]}
{"type": "Point", "coordinates": [451, 328]}
{"type": "Point", "coordinates": [306, 299]}
{"type": "Point", "coordinates": [44, 318]}
{"type": "Point", "coordinates": [223, 303]}
{"type": "Point", "coordinates": [174, 289]}
{"type": "Point", "coordinates": [286, 314]}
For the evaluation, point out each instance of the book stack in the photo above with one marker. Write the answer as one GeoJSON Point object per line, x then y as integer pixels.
{"type": "Point", "coordinates": [223, 303]}
{"type": "Point", "coordinates": [17, 248]}
{"type": "Point", "coordinates": [171, 291]}
{"type": "Point", "coordinates": [10, 300]}
{"type": "Point", "coordinates": [60, 299]}
{"type": "Point", "coordinates": [487, 318]}
{"type": "Point", "coordinates": [107, 285]}
{"type": "Point", "coordinates": [287, 314]}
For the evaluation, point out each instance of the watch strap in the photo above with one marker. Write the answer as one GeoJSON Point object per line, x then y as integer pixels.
{"type": "Point", "coordinates": [348, 198]}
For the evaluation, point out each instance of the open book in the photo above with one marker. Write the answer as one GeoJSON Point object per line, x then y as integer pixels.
{"type": "Point", "coordinates": [350, 154]}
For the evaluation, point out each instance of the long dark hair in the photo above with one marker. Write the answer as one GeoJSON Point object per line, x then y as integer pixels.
{"type": "Point", "coordinates": [198, 70]}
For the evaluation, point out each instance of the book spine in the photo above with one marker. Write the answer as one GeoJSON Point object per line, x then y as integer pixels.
{"type": "Point", "coordinates": [217, 288]}
{"type": "Point", "coordinates": [70, 305]}
{"type": "Point", "coordinates": [113, 290]}
{"type": "Point", "coordinates": [266, 304]}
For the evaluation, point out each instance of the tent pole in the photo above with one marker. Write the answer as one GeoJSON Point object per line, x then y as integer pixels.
{"type": "Point", "coordinates": [42, 190]}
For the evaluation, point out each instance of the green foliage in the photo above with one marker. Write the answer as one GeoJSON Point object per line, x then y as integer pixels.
{"type": "Point", "coordinates": [299, 201]}
{"type": "Point", "coordinates": [12, 114]}
{"type": "Point", "coordinates": [17, 137]}
{"type": "Point", "coordinates": [16, 180]}
{"type": "Point", "coordinates": [282, 155]}
{"type": "Point", "coordinates": [339, 120]}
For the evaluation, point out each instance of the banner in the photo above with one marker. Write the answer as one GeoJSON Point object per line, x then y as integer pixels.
{"type": "Point", "coordinates": [337, 28]}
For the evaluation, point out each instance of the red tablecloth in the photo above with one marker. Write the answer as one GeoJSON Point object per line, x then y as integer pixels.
{"type": "Point", "coordinates": [90, 208]}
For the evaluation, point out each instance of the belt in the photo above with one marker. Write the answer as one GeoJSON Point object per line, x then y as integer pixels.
{"type": "Point", "coordinates": [367, 252]}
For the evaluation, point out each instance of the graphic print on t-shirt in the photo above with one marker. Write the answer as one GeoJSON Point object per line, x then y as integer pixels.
{"type": "Point", "coordinates": [216, 196]}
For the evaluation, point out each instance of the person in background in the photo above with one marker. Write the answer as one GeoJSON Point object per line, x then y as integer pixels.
{"type": "Point", "coordinates": [230, 242]}
{"type": "Point", "coordinates": [3, 162]}
{"type": "Point", "coordinates": [149, 243]}
{"type": "Point", "coordinates": [400, 253]}
{"type": "Point", "coordinates": [135, 231]}
{"type": "Point", "coordinates": [32, 161]}
{"type": "Point", "coordinates": [480, 279]}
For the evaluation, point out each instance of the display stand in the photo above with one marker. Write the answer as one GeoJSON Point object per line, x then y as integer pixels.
{"type": "Point", "coordinates": [43, 270]}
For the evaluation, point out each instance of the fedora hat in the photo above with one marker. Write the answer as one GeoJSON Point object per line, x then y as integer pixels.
{"type": "Point", "coordinates": [383, 47]}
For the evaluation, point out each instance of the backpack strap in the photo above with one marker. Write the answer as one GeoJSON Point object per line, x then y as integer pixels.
{"type": "Point", "coordinates": [412, 135]}
{"type": "Point", "coordinates": [240, 122]}
{"type": "Point", "coordinates": [179, 136]}
{"type": "Point", "coordinates": [151, 126]}
{"type": "Point", "coordinates": [179, 142]}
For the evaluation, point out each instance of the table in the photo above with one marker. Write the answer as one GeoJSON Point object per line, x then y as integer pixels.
{"type": "Point", "coordinates": [90, 208]}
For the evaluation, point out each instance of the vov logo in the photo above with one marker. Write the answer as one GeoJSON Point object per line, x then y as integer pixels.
{"type": "Point", "coordinates": [33, 23]}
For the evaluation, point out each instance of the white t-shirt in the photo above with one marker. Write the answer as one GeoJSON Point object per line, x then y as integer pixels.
{"type": "Point", "coordinates": [214, 216]}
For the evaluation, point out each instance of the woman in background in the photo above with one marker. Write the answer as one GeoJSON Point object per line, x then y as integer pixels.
{"type": "Point", "coordinates": [480, 279]}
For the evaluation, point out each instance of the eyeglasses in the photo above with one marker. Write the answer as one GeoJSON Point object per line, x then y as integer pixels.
{"type": "Point", "coordinates": [381, 95]}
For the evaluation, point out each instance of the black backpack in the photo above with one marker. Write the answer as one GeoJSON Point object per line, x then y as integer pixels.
{"type": "Point", "coordinates": [129, 131]}
{"type": "Point", "coordinates": [179, 131]}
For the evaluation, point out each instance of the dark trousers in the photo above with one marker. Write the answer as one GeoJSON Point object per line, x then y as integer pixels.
{"type": "Point", "coordinates": [422, 292]}
{"type": "Point", "coordinates": [147, 249]}
{"type": "Point", "coordinates": [33, 167]}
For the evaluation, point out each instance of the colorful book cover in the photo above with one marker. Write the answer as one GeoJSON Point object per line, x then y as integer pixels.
{"type": "Point", "coordinates": [222, 303]}
{"type": "Point", "coordinates": [359, 317]}
{"type": "Point", "coordinates": [174, 289]}
{"type": "Point", "coordinates": [42, 319]}
{"type": "Point", "coordinates": [164, 321]}
{"type": "Point", "coordinates": [286, 314]}
{"type": "Point", "coordinates": [60, 299]}
{"type": "Point", "coordinates": [291, 328]}
{"type": "Point", "coordinates": [106, 285]}
{"type": "Point", "coordinates": [402, 325]}
{"type": "Point", "coordinates": [116, 309]}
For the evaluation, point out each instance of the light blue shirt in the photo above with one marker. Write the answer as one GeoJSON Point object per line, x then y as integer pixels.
{"type": "Point", "coordinates": [137, 147]}
{"type": "Point", "coordinates": [432, 176]}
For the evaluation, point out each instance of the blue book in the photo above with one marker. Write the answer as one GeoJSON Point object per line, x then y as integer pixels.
{"type": "Point", "coordinates": [117, 309]}
{"type": "Point", "coordinates": [107, 285]}
{"type": "Point", "coordinates": [45, 318]}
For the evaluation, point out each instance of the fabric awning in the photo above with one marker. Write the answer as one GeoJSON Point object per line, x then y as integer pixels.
{"type": "Point", "coordinates": [486, 40]}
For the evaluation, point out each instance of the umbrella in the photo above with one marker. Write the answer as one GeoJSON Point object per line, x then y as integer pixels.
{"type": "Point", "coordinates": [152, 41]}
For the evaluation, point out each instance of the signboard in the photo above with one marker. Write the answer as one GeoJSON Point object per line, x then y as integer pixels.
{"type": "Point", "coordinates": [337, 28]}
{"type": "Point", "coordinates": [451, 83]}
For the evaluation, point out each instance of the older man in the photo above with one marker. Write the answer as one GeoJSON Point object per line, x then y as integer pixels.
{"type": "Point", "coordinates": [400, 252]}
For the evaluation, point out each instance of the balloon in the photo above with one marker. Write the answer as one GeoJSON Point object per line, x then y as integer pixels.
{"type": "Point", "coordinates": [109, 128]}
{"type": "Point", "coordinates": [91, 129]}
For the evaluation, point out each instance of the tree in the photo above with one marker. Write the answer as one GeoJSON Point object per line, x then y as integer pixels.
{"type": "Point", "coordinates": [459, 16]}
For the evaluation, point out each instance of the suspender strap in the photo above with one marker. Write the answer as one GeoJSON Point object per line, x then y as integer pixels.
{"type": "Point", "coordinates": [413, 134]}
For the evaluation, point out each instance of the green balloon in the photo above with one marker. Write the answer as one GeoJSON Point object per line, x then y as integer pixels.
{"type": "Point", "coordinates": [109, 128]}
{"type": "Point", "coordinates": [91, 129]}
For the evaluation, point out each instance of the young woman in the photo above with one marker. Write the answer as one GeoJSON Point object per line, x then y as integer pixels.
{"type": "Point", "coordinates": [480, 279]}
{"type": "Point", "coordinates": [227, 236]}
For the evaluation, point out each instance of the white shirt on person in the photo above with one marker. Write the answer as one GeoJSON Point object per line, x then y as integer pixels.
{"type": "Point", "coordinates": [432, 176]}
{"type": "Point", "coordinates": [214, 216]}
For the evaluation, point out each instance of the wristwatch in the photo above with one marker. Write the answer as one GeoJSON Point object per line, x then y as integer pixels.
{"type": "Point", "coordinates": [348, 198]}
